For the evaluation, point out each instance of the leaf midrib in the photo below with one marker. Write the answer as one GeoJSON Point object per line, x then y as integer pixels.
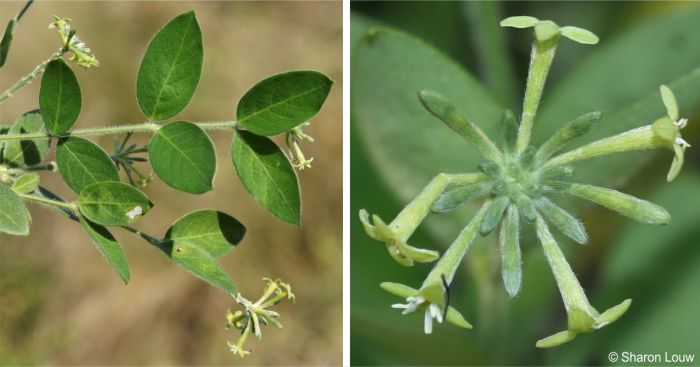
{"type": "Point", "coordinates": [187, 158]}
{"type": "Point", "coordinates": [267, 173]}
{"type": "Point", "coordinates": [257, 112]}
{"type": "Point", "coordinates": [172, 67]}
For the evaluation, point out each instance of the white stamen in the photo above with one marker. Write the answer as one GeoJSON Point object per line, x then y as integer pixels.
{"type": "Point", "coordinates": [681, 123]}
{"type": "Point", "coordinates": [684, 144]}
{"type": "Point", "coordinates": [399, 305]}
{"type": "Point", "coordinates": [428, 326]}
{"type": "Point", "coordinates": [437, 313]}
{"type": "Point", "coordinates": [133, 213]}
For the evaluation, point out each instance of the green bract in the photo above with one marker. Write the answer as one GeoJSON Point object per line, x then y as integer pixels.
{"type": "Point", "coordinates": [170, 69]}
{"type": "Point", "coordinates": [517, 181]}
{"type": "Point", "coordinates": [281, 102]}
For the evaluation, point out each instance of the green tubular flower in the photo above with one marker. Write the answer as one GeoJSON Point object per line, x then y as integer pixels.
{"type": "Point", "coordinates": [433, 296]}
{"type": "Point", "coordinates": [402, 227]}
{"type": "Point", "coordinates": [582, 317]}
{"type": "Point", "coordinates": [83, 54]}
{"type": "Point", "coordinates": [662, 133]}
{"type": "Point", "coordinates": [293, 137]}
{"type": "Point", "coordinates": [257, 314]}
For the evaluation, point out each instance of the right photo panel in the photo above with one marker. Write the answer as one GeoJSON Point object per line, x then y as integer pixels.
{"type": "Point", "coordinates": [523, 187]}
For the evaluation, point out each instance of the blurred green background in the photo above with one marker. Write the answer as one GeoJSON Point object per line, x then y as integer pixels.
{"type": "Point", "coordinates": [397, 147]}
{"type": "Point", "coordinates": [61, 304]}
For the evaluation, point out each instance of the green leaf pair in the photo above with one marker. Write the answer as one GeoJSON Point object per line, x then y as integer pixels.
{"type": "Point", "coordinates": [196, 240]}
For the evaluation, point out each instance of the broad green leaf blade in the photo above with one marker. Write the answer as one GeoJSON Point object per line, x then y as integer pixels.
{"type": "Point", "coordinates": [25, 153]}
{"type": "Point", "coordinates": [627, 205]}
{"type": "Point", "coordinates": [199, 262]}
{"type": "Point", "coordinates": [26, 183]}
{"type": "Point", "coordinates": [388, 111]}
{"type": "Point", "coordinates": [14, 217]}
{"type": "Point", "coordinates": [170, 69]}
{"type": "Point", "coordinates": [83, 163]}
{"type": "Point", "coordinates": [112, 203]}
{"type": "Point", "coordinates": [108, 247]}
{"type": "Point", "coordinates": [183, 156]}
{"type": "Point", "coordinates": [216, 232]}
{"type": "Point", "coordinates": [511, 259]}
{"type": "Point", "coordinates": [283, 101]}
{"type": "Point", "coordinates": [267, 174]}
{"type": "Point", "coordinates": [59, 97]}
{"type": "Point", "coordinates": [6, 41]}
{"type": "Point", "coordinates": [632, 100]}
{"type": "Point", "coordinates": [579, 35]}
{"type": "Point", "coordinates": [670, 102]}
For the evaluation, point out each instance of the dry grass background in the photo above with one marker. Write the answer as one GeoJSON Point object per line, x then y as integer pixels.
{"type": "Point", "coordinates": [61, 304]}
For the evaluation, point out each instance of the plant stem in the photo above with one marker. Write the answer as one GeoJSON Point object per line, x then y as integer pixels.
{"type": "Point", "coordinates": [60, 204]}
{"type": "Point", "coordinates": [73, 208]}
{"type": "Point", "coordinates": [150, 239]}
{"type": "Point", "coordinates": [111, 130]}
{"type": "Point", "coordinates": [540, 61]}
{"type": "Point", "coordinates": [27, 79]}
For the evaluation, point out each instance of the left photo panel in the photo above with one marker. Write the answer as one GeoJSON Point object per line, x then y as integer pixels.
{"type": "Point", "coordinates": [171, 183]}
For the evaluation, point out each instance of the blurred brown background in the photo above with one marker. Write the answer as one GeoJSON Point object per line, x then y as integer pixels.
{"type": "Point", "coordinates": [61, 304]}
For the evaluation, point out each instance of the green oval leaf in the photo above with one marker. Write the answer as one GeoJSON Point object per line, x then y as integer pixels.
{"type": "Point", "coordinates": [170, 69]}
{"type": "Point", "coordinates": [216, 232]}
{"type": "Point", "coordinates": [108, 247]}
{"type": "Point", "coordinates": [267, 175]}
{"type": "Point", "coordinates": [283, 101]}
{"type": "Point", "coordinates": [83, 163]}
{"type": "Point", "coordinates": [183, 156]}
{"type": "Point", "coordinates": [14, 217]}
{"type": "Point", "coordinates": [26, 152]}
{"type": "Point", "coordinates": [112, 203]}
{"type": "Point", "coordinates": [26, 183]}
{"type": "Point", "coordinates": [59, 97]}
{"type": "Point", "coordinates": [199, 262]}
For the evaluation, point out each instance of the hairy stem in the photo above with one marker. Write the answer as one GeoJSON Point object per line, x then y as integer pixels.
{"type": "Point", "coordinates": [540, 61]}
{"type": "Point", "coordinates": [150, 239]}
{"type": "Point", "coordinates": [56, 203]}
{"type": "Point", "coordinates": [27, 79]}
{"type": "Point", "coordinates": [112, 130]}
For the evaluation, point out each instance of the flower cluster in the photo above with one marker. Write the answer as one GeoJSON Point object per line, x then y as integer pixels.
{"type": "Point", "coordinates": [71, 42]}
{"type": "Point", "coordinates": [517, 183]}
{"type": "Point", "coordinates": [257, 314]}
{"type": "Point", "coordinates": [293, 138]}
